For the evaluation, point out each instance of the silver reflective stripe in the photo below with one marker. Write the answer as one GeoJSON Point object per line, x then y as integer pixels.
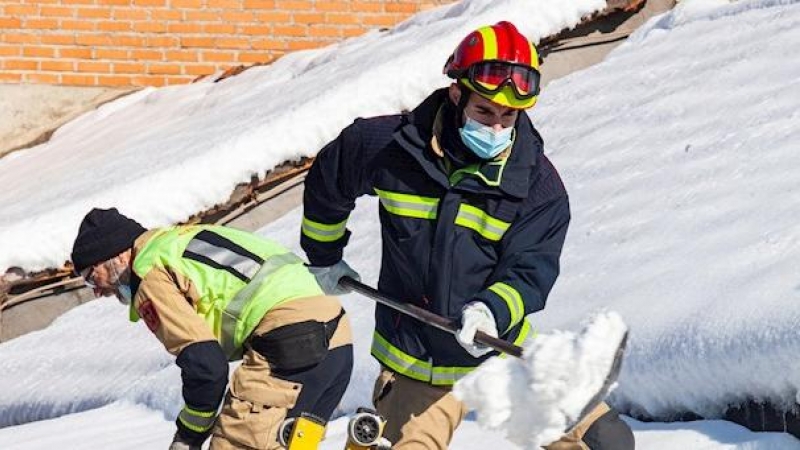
{"type": "Point", "coordinates": [232, 313]}
{"type": "Point", "coordinates": [197, 421]}
{"type": "Point", "coordinates": [225, 257]}
{"type": "Point", "coordinates": [396, 359]}
{"type": "Point", "coordinates": [447, 376]}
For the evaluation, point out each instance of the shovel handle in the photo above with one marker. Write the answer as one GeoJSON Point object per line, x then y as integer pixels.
{"type": "Point", "coordinates": [428, 317]}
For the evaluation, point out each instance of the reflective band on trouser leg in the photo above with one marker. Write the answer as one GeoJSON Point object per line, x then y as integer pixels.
{"type": "Point", "coordinates": [233, 312]}
{"type": "Point", "coordinates": [323, 232]}
{"type": "Point", "coordinates": [513, 300]}
{"type": "Point", "coordinates": [197, 421]}
{"type": "Point", "coordinates": [484, 224]}
{"type": "Point", "coordinates": [408, 205]}
{"type": "Point", "coordinates": [399, 361]}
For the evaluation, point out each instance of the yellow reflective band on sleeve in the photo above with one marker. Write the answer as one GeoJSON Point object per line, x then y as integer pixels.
{"type": "Point", "coordinates": [408, 205]}
{"type": "Point", "coordinates": [484, 224]}
{"type": "Point", "coordinates": [513, 300]}
{"type": "Point", "coordinates": [323, 232]}
{"type": "Point", "coordinates": [198, 421]}
{"type": "Point", "coordinates": [399, 361]}
{"type": "Point", "coordinates": [524, 333]}
{"type": "Point", "coordinates": [447, 376]}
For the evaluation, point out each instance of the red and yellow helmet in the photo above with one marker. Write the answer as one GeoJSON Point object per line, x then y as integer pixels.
{"type": "Point", "coordinates": [498, 63]}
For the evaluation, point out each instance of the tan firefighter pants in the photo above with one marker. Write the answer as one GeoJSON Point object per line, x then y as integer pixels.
{"type": "Point", "coordinates": [421, 416]}
{"type": "Point", "coordinates": [256, 403]}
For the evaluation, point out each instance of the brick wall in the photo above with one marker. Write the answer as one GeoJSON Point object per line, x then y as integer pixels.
{"type": "Point", "coordinates": [160, 42]}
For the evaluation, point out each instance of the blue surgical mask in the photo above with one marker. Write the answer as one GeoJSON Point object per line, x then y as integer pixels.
{"type": "Point", "coordinates": [125, 295]}
{"type": "Point", "coordinates": [483, 140]}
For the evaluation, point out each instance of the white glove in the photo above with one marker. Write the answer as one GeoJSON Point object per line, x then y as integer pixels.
{"type": "Point", "coordinates": [179, 444]}
{"type": "Point", "coordinates": [476, 316]}
{"type": "Point", "coordinates": [328, 277]}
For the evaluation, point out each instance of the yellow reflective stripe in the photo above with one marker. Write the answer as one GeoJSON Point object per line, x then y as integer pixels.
{"type": "Point", "coordinates": [513, 300]}
{"type": "Point", "coordinates": [198, 421]}
{"type": "Point", "coordinates": [481, 222]}
{"type": "Point", "coordinates": [408, 205]}
{"type": "Point", "coordinates": [399, 361]}
{"type": "Point", "coordinates": [523, 335]}
{"type": "Point", "coordinates": [489, 42]}
{"type": "Point", "coordinates": [447, 376]}
{"type": "Point", "coordinates": [323, 232]}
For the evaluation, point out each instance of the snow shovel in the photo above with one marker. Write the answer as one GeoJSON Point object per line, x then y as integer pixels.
{"type": "Point", "coordinates": [500, 345]}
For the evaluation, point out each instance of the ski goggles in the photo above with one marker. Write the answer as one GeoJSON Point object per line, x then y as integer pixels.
{"type": "Point", "coordinates": [491, 77]}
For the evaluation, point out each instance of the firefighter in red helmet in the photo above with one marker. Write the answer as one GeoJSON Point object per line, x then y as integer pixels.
{"type": "Point", "coordinates": [473, 218]}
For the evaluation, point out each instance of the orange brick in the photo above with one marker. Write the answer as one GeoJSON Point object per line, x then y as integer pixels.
{"type": "Point", "coordinates": [13, 50]}
{"type": "Point", "coordinates": [175, 80]}
{"type": "Point", "coordinates": [255, 30]}
{"type": "Point", "coordinates": [58, 66]}
{"type": "Point", "coordinates": [268, 44]}
{"type": "Point", "coordinates": [21, 64]}
{"type": "Point", "coordinates": [41, 24]}
{"type": "Point", "coordinates": [111, 53]}
{"type": "Point", "coordinates": [404, 8]}
{"type": "Point", "coordinates": [6, 77]}
{"type": "Point", "coordinates": [58, 39]}
{"type": "Point", "coordinates": [77, 2]}
{"type": "Point", "coordinates": [128, 68]}
{"type": "Point", "coordinates": [185, 28]}
{"type": "Point", "coordinates": [114, 80]}
{"type": "Point", "coordinates": [384, 20]}
{"type": "Point", "coordinates": [149, 80]}
{"type": "Point", "coordinates": [178, 55]}
{"type": "Point", "coordinates": [164, 69]}
{"type": "Point", "coordinates": [94, 67]}
{"type": "Point", "coordinates": [305, 45]}
{"type": "Point", "coordinates": [308, 18]}
{"type": "Point", "coordinates": [18, 38]}
{"type": "Point", "coordinates": [150, 2]}
{"type": "Point", "coordinates": [290, 30]}
{"type": "Point", "coordinates": [122, 40]}
{"type": "Point", "coordinates": [78, 80]}
{"type": "Point", "coordinates": [42, 52]}
{"type": "Point", "coordinates": [197, 4]}
{"type": "Point", "coordinates": [218, 56]}
{"type": "Point", "coordinates": [42, 2]}
{"type": "Point", "coordinates": [94, 13]}
{"type": "Point", "coordinates": [56, 11]}
{"type": "Point", "coordinates": [82, 25]}
{"type": "Point", "coordinates": [130, 14]}
{"type": "Point", "coordinates": [201, 16]}
{"type": "Point", "coordinates": [349, 32]}
{"type": "Point", "coordinates": [148, 55]}
{"type": "Point", "coordinates": [150, 27]}
{"type": "Point", "coordinates": [199, 69]}
{"type": "Point", "coordinates": [342, 19]}
{"type": "Point", "coordinates": [233, 16]}
{"type": "Point", "coordinates": [77, 53]}
{"type": "Point", "coordinates": [94, 39]}
{"type": "Point", "coordinates": [231, 43]}
{"type": "Point", "coordinates": [249, 57]}
{"type": "Point", "coordinates": [373, 7]}
{"type": "Point", "coordinates": [162, 41]}
{"type": "Point", "coordinates": [299, 5]}
{"type": "Point", "coordinates": [202, 42]}
{"type": "Point", "coordinates": [325, 31]}
{"type": "Point", "coordinates": [224, 4]}
{"type": "Point", "coordinates": [43, 78]}
{"type": "Point", "coordinates": [114, 2]}
{"type": "Point", "coordinates": [333, 6]}
{"type": "Point", "coordinates": [259, 4]}
{"type": "Point", "coordinates": [10, 22]}
{"type": "Point", "coordinates": [272, 17]}
{"type": "Point", "coordinates": [219, 28]}
{"type": "Point", "coordinates": [165, 14]}
{"type": "Point", "coordinates": [21, 10]}
{"type": "Point", "coordinates": [114, 25]}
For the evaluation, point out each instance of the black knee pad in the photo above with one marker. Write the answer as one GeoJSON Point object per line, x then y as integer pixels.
{"type": "Point", "coordinates": [609, 432]}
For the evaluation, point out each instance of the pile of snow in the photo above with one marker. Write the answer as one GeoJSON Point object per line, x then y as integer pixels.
{"type": "Point", "coordinates": [532, 400]}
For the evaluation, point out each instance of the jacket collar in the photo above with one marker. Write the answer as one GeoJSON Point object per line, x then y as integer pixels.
{"type": "Point", "coordinates": [417, 137]}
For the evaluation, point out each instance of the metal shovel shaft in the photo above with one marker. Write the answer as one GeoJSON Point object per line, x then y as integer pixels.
{"type": "Point", "coordinates": [428, 317]}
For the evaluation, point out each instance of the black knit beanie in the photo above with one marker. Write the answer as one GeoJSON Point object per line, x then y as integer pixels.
{"type": "Point", "coordinates": [104, 234]}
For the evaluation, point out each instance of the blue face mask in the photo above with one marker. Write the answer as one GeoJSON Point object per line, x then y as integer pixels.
{"type": "Point", "coordinates": [483, 140]}
{"type": "Point", "coordinates": [125, 295]}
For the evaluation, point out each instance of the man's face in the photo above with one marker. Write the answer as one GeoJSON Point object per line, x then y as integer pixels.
{"type": "Point", "coordinates": [103, 278]}
{"type": "Point", "coordinates": [485, 111]}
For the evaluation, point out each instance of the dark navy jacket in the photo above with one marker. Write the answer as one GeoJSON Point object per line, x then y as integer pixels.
{"type": "Point", "coordinates": [446, 241]}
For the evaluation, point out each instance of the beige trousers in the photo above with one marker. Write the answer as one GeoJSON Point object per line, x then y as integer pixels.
{"type": "Point", "coordinates": [256, 403]}
{"type": "Point", "coordinates": [421, 416]}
